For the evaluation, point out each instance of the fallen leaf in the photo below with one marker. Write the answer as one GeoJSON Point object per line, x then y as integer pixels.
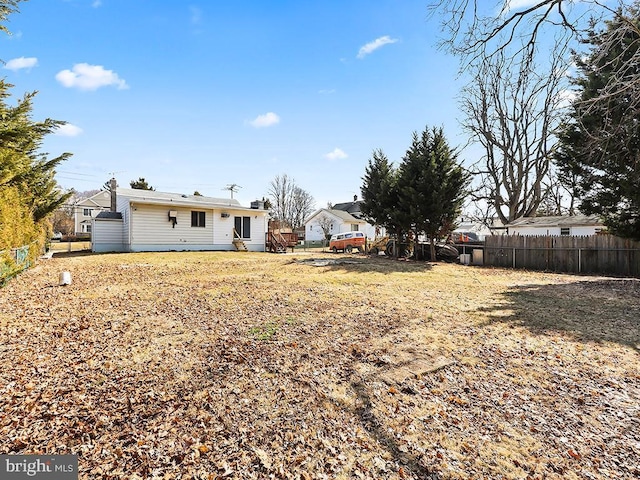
{"type": "Point", "coordinates": [264, 458]}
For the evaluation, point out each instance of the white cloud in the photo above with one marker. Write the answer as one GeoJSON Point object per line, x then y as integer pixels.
{"type": "Point", "coordinates": [90, 77]}
{"type": "Point", "coordinates": [96, 3]}
{"type": "Point", "coordinates": [266, 120]}
{"type": "Point", "coordinates": [20, 63]}
{"type": "Point", "coordinates": [566, 97]}
{"type": "Point", "coordinates": [336, 154]}
{"type": "Point", "coordinates": [196, 15]}
{"type": "Point", "coordinates": [510, 5]}
{"type": "Point", "coordinates": [68, 130]}
{"type": "Point", "coordinates": [376, 44]}
{"type": "Point", "coordinates": [327, 91]}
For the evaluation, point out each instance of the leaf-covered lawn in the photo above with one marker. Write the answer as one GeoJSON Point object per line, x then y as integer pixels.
{"type": "Point", "coordinates": [228, 365]}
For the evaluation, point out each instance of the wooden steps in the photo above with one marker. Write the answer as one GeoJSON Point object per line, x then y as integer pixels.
{"type": "Point", "coordinates": [240, 245]}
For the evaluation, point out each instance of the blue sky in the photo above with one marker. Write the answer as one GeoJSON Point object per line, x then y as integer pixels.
{"type": "Point", "coordinates": [196, 96]}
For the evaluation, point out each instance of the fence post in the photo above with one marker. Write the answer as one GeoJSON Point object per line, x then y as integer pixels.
{"type": "Point", "coordinates": [514, 257]}
{"type": "Point", "coordinates": [579, 260]}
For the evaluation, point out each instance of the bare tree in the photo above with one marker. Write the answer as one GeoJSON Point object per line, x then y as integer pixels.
{"type": "Point", "coordinates": [325, 222]}
{"type": "Point", "coordinates": [475, 29]}
{"type": "Point", "coordinates": [301, 206]}
{"type": "Point", "coordinates": [290, 204]}
{"type": "Point", "coordinates": [513, 113]}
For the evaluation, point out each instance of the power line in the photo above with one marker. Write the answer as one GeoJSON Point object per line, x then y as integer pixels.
{"type": "Point", "coordinates": [86, 180]}
{"type": "Point", "coordinates": [76, 173]}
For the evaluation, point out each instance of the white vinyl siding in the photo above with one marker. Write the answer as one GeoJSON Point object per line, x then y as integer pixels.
{"type": "Point", "coordinates": [108, 236]}
{"type": "Point", "coordinates": [223, 231]}
{"type": "Point", "coordinates": [553, 230]}
{"type": "Point", "coordinates": [147, 227]}
{"type": "Point", "coordinates": [150, 225]}
{"type": "Point", "coordinates": [122, 206]}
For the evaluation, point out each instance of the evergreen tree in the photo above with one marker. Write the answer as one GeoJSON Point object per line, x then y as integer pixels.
{"type": "Point", "coordinates": [7, 7]}
{"type": "Point", "coordinates": [424, 194]}
{"type": "Point", "coordinates": [140, 184]}
{"type": "Point", "coordinates": [599, 151]}
{"type": "Point", "coordinates": [21, 164]}
{"type": "Point", "coordinates": [379, 194]}
{"type": "Point", "coordinates": [28, 190]}
{"type": "Point", "coordinates": [432, 185]}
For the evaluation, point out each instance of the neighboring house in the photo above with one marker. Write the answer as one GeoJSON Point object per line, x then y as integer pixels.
{"type": "Point", "coordinates": [343, 217]}
{"type": "Point", "coordinates": [159, 221]}
{"type": "Point", "coordinates": [476, 230]}
{"type": "Point", "coordinates": [556, 225]}
{"type": "Point", "coordinates": [86, 209]}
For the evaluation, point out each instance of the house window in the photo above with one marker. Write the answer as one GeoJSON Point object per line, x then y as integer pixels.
{"type": "Point", "coordinates": [242, 227]}
{"type": "Point", "coordinates": [565, 231]}
{"type": "Point", "coordinates": [197, 219]}
{"type": "Point", "coordinates": [354, 227]}
{"type": "Point", "coordinates": [86, 212]}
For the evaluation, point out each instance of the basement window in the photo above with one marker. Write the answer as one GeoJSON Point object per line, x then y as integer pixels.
{"type": "Point", "coordinates": [197, 219]}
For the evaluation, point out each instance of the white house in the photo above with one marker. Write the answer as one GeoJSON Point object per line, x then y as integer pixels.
{"type": "Point", "coordinates": [343, 217]}
{"type": "Point", "coordinates": [556, 225]}
{"type": "Point", "coordinates": [86, 209]}
{"type": "Point", "coordinates": [159, 221]}
{"type": "Point", "coordinates": [475, 230]}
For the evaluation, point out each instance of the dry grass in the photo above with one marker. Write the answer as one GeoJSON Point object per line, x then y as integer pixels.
{"type": "Point", "coordinates": [224, 365]}
{"type": "Point", "coordinates": [65, 247]}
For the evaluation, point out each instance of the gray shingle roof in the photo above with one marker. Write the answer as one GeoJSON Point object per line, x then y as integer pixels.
{"type": "Point", "coordinates": [110, 215]}
{"type": "Point", "coordinates": [166, 198]}
{"type": "Point", "coordinates": [554, 221]}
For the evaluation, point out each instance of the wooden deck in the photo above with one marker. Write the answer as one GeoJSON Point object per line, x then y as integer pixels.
{"type": "Point", "coordinates": [279, 242]}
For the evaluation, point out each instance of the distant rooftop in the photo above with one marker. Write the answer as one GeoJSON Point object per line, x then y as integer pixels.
{"type": "Point", "coordinates": [561, 220]}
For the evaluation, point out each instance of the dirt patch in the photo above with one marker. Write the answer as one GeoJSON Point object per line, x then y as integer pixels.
{"type": "Point", "coordinates": [223, 365]}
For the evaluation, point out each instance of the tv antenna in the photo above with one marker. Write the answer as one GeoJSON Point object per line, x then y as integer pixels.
{"type": "Point", "coordinates": [233, 188]}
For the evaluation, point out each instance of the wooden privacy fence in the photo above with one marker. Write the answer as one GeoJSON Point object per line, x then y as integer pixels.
{"type": "Point", "coordinates": [603, 254]}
